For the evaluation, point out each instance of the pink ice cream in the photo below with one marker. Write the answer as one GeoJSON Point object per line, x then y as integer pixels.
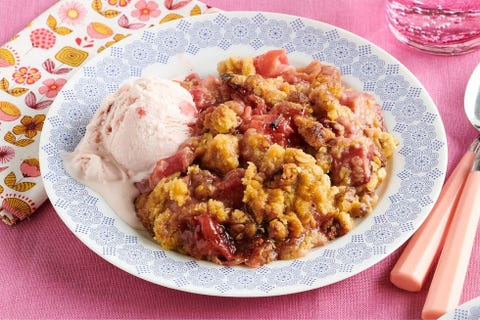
{"type": "Point", "coordinates": [144, 121]}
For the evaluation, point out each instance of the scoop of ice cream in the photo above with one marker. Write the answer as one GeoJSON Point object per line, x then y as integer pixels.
{"type": "Point", "coordinates": [146, 120]}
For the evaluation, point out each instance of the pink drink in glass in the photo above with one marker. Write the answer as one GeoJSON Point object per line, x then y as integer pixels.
{"type": "Point", "coordinates": [436, 26]}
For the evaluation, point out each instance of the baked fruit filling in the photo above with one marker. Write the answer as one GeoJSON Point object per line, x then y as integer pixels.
{"type": "Point", "coordinates": [281, 159]}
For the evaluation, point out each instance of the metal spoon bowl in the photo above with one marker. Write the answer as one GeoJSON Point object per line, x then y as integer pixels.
{"type": "Point", "coordinates": [472, 98]}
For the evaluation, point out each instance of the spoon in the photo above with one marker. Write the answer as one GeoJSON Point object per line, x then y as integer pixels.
{"type": "Point", "coordinates": [416, 261]}
{"type": "Point", "coordinates": [447, 283]}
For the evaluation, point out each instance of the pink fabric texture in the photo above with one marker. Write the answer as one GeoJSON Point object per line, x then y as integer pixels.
{"type": "Point", "coordinates": [46, 272]}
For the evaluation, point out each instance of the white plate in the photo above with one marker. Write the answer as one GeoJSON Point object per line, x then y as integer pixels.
{"type": "Point", "coordinates": [416, 172]}
{"type": "Point", "coordinates": [470, 310]}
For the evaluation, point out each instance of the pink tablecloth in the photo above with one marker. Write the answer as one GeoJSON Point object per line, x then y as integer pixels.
{"type": "Point", "coordinates": [46, 272]}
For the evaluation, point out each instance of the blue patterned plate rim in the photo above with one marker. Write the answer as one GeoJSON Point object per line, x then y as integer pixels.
{"type": "Point", "coordinates": [416, 172]}
{"type": "Point", "coordinates": [469, 310]}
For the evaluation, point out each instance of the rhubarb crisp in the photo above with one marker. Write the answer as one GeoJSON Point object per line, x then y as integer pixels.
{"type": "Point", "coordinates": [281, 159]}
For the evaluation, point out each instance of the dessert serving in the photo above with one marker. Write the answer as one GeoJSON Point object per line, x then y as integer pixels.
{"type": "Point", "coordinates": [145, 120]}
{"type": "Point", "coordinates": [414, 171]}
{"type": "Point", "coordinates": [280, 159]}
{"type": "Point", "coordinates": [260, 163]}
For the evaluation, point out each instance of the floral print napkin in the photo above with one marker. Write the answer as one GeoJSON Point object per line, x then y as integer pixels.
{"type": "Point", "coordinates": [36, 64]}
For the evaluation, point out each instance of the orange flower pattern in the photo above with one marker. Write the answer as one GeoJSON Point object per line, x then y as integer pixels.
{"type": "Point", "coordinates": [30, 126]}
{"type": "Point", "coordinates": [63, 49]}
{"type": "Point", "coordinates": [26, 75]}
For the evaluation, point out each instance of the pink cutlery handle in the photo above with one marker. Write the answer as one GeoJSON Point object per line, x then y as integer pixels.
{"type": "Point", "coordinates": [447, 283]}
{"type": "Point", "coordinates": [413, 266]}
